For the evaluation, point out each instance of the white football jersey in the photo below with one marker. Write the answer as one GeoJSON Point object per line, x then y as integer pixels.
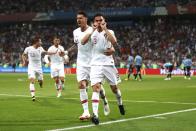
{"type": "Point", "coordinates": [84, 51]}
{"type": "Point", "coordinates": [100, 44]}
{"type": "Point", "coordinates": [56, 59]}
{"type": "Point", "coordinates": [34, 56]}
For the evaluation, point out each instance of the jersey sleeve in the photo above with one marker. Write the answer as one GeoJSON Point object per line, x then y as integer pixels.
{"type": "Point", "coordinates": [42, 50]}
{"type": "Point", "coordinates": [74, 37]}
{"type": "Point", "coordinates": [26, 50]}
{"type": "Point", "coordinates": [112, 32]}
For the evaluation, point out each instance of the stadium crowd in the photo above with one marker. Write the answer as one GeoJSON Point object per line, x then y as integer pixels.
{"type": "Point", "coordinates": [157, 40]}
{"type": "Point", "coordinates": [21, 6]}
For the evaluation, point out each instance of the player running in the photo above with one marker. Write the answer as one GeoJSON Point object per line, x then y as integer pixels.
{"type": "Point", "coordinates": [33, 54]}
{"type": "Point", "coordinates": [56, 63]}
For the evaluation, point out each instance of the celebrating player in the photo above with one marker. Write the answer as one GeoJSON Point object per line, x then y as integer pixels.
{"type": "Point", "coordinates": [83, 64]}
{"type": "Point", "coordinates": [56, 62]}
{"type": "Point", "coordinates": [102, 66]}
{"type": "Point", "coordinates": [33, 54]}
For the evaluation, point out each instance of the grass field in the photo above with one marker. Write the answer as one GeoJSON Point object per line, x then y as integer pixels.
{"type": "Point", "coordinates": [151, 105]}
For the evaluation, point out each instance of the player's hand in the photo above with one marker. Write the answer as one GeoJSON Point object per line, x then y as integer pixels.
{"type": "Point", "coordinates": [62, 53]}
{"type": "Point", "coordinates": [94, 25]}
{"type": "Point", "coordinates": [109, 51]}
{"type": "Point", "coordinates": [103, 26]}
{"type": "Point", "coordinates": [25, 63]}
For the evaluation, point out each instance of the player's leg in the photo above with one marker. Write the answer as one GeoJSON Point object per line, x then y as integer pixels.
{"type": "Point", "coordinates": [39, 75]}
{"type": "Point", "coordinates": [110, 75]}
{"type": "Point", "coordinates": [185, 73]}
{"type": "Point", "coordinates": [136, 73]}
{"type": "Point", "coordinates": [129, 72]}
{"type": "Point", "coordinates": [31, 77]}
{"type": "Point", "coordinates": [62, 77]}
{"type": "Point", "coordinates": [118, 95]}
{"type": "Point", "coordinates": [96, 75]}
{"type": "Point", "coordinates": [189, 72]}
{"type": "Point", "coordinates": [58, 85]}
{"type": "Point", "coordinates": [95, 102]}
{"type": "Point", "coordinates": [82, 77]}
{"type": "Point", "coordinates": [139, 73]}
{"type": "Point", "coordinates": [105, 101]}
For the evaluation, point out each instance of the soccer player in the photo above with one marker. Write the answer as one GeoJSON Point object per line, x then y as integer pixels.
{"type": "Point", "coordinates": [169, 67]}
{"type": "Point", "coordinates": [102, 66]}
{"type": "Point", "coordinates": [56, 63]}
{"type": "Point", "coordinates": [138, 65]}
{"type": "Point", "coordinates": [187, 67]}
{"type": "Point", "coordinates": [130, 66]}
{"type": "Point", "coordinates": [83, 64]}
{"type": "Point", "coordinates": [33, 54]}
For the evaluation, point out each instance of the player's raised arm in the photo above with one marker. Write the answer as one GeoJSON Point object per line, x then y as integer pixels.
{"type": "Point", "coordinates": [87, 37]}
{"type": "Point", "coordinates": [110, 35]}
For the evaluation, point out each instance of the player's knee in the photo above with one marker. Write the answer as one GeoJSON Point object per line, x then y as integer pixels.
{"type": "Point", "coordinates": [82, 85]}
{"type": "Point", "coordinates": [32, 80]}
{"type": "Point", "coordinates": [114, 88]}
{"type": "Point", "coordinates": [96, 87]}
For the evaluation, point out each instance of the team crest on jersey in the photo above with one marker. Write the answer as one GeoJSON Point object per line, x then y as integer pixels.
{"type": "Point", "coordinates": [94, 40]}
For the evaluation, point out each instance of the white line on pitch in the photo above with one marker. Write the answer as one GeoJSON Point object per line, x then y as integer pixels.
{"type": "Point", "coordinates": [124, 120]}
{"type": "Point", "coordinates": [132, 101]}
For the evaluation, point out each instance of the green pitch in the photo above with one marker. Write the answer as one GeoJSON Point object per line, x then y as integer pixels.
{"type": "Point", "coordinates": [152, 96]}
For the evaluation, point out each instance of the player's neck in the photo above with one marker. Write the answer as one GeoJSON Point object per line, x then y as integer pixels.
{"type": "Point", "coordinates": [83, 28]}
{"type": "Point", "coordinates": [56, 46]}
{"type": "Point", "coordinates": [35, 46]}
{"type": "Point", "coordinates": [99, 29]}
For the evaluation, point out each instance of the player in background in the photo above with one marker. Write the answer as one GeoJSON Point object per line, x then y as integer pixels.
{"type": "Point", "coordinates": [83, 64]}
{"type": "Point", "coordinates": [169, 68]}
{"type": "Point", "coordinates": [56, 63]}
{"type": "Point", "coordinates": [187, 62]}
{"type": "Point", "coordinates": [102, 66]}
{"type": "Point", "coordinates": [32, 54]}
{"type": "Point", "coordinates": [138, 65]}
{"type": "Point", "coordinates": [130, 66]}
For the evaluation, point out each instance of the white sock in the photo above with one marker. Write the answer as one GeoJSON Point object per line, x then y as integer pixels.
{"type": "Point", "coordinates": [84, 100]}
{"type": "Point", "coordinates": [32, 89]}
{"type": "Point", "coordinates": [118, 97]}
{"type": "Point", "coordinates": [95, 102]}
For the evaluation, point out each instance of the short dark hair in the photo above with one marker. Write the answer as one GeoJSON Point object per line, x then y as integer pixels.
{"type": "Point", "coordinates": [35, 39]}
{"type": "Point", "coordinates": [98, 14]}
{"type": "Point", "coordinates": [82, 13]}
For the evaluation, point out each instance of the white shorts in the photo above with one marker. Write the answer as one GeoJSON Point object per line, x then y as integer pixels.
{"type": "Point", "coordinates": [33, 73]}
{"type": "Point", "coordinates": [99, 73]}
{"type": "Point", "coordinates": [83, 73]}
{"type": "Point", "coordinates": [57, 71]}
